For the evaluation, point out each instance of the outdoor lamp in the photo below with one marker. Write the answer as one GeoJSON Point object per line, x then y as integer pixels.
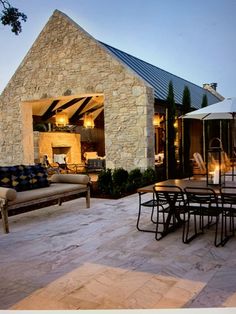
{"type": "Point", "coordinates": [61, 118]}
{"type": "Point", "coordinates": [214, 166]}
{"type": "Point", "coordinates": [176, 123]}
{"type": "Point", "coordinates": [88, 121]}
{"type": "Point", "coordinates": [157, 119]}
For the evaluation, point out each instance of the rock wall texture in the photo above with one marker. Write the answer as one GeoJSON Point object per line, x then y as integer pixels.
{"type": "Point", "coordinates": [65, 57]}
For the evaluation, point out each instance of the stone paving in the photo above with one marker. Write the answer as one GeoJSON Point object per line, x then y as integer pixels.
{"type": "Point", "coordinates": [70, 257]}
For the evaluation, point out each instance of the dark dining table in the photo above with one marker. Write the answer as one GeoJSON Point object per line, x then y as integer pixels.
{"type": "Point", "coordinates": [175, 215]}
{"type": "Point", "coordinates": [172, 214]}
{"type": "Point", "coordinates": [182, 183]}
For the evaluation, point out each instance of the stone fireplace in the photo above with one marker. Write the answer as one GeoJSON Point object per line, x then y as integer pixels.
{"type": "Point", "coordinates": [57, 146]}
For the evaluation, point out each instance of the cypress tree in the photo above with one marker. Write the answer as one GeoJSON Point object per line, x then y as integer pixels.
{"type": "Point", "coordinates": [204, 101]}
{"type": "Point", "coordinates": [171, 109]}
{"type": "Point", "coordinates": [186, 107]}
{"type": "Point", "coordinates": [205, 126]}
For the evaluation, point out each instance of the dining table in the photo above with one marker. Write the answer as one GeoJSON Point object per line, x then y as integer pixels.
{"type": "Point", "coordinates": [172, 214]}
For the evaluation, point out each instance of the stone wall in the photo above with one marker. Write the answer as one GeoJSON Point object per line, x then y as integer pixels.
{"type": "Point", "coordinates": [65, 57]}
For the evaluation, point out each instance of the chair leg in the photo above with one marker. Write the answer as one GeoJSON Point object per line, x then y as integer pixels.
{"type": "Point", "coordinates": [197, 225]}
{"type": "Point", "coordinates": [152, 214]}
{"type": "Point", "coordinates": [185, 228]}
{"type": "Point", "coordinates": [158, 223]}
{"type": "Point", "coordinates": [216, 232]}
{"type": "Point", "coordinates": [139, 216]}
{"type": "Point", "coordinates": [225, 234]}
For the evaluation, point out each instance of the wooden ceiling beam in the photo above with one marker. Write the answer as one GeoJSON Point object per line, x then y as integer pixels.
{"type": "Point", "coordinates": [91, 110]}
{"type": "Point", "coordinates": [48, 113]}
{"type": "Point", "coordinates": [77, 114]}
{"type": "Point", "coordinates": [70, 103]}
{"type": "Point", "coordinates": [51, 111]}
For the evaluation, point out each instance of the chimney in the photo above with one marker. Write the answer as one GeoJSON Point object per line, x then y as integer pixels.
{"type": "Point", "coordinates": [213, 85]}
{"type": "Point", "coordinates": [210, 85]}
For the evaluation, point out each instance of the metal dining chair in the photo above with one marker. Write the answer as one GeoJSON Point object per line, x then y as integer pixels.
{"type": "Point", "coordinates": [170, 209]}
{"type": "Point", "coordinates": [228, 202]}
{"type": "Point", "coordinates": [151, 204]}
{"type": "Point", "coordinates": [203, 206]}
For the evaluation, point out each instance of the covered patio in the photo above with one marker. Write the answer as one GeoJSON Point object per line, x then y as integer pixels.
{"type": "Point", "coordinates": [73, 258]}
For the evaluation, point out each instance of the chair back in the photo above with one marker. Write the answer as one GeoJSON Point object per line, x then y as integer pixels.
{"type": "Point", "coordinates": [201, 196]}
{"type": "Point", "coordinates": [228, 195]}
{"type": "Point", "coordinates": [225, 161]}
{"type": "Point", "coordinates": [168, 194]}
{"type": "Point", "coordinates": [199, 161]}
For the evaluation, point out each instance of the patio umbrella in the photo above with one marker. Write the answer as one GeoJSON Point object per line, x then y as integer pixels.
{"type": "Point", "coordinates": [225, 109]}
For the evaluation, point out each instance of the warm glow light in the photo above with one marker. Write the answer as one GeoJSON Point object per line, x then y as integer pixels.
{"type": "Point", "coordinates": [216, 175]}
{"type": "Point", "coordinates": [61, 118]}
{"type": "Point", "coordinates": [176, 123]}
{"type": "Point", "coordinates": [157, 119]}
{"type": "Point", "coordinates": [88, 121]}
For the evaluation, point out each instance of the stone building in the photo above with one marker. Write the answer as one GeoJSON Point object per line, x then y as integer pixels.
{"type": "Point", "coordinates": [68, 70]}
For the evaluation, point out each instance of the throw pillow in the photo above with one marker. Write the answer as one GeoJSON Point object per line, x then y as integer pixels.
{"type": "Point", "coordinates": [5, 177]}
{"type": "Point", "coordinates": [21, 178]}
{"type": "Point", "coordinates": [39, 177]}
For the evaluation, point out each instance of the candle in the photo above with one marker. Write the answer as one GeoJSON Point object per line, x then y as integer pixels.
{"type": "Point", "coordinates": [216, 175]}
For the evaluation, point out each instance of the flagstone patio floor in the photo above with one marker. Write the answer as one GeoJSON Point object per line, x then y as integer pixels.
{"type": "Point", "coordinates": [70, 257]}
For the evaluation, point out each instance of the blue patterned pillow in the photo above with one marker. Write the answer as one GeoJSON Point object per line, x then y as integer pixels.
{"type": "Point", "coordinates": [5, 177]}
{"type": "Point", "coordinates": [21, 178]}
{"type": "Point", "coordinates": [39, 176]}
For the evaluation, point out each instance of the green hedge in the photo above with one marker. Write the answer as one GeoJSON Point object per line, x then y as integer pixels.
{"type": "Point", "coordinates": [119, 182]}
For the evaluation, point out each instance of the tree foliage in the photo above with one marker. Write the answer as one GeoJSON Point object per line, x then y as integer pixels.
{"type": "Point", "coordinates": [11, 16]}
{"type": "Point", "coordinates": [171, 161]}
{"type": "Point", "coordinates": [204, 101]}
{"type": "Point", "coordinates": [206, 124]}
{"type": "Point", "coordinates": [186, 107]}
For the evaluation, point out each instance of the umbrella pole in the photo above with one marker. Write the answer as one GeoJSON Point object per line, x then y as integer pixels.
{"type": "Point", "coordinates": [233, 145]}
{"type": "Point", "coordinates": [204, 141]}
{"type": "Point", "coordinates": [221, 131]}
{"type": "Point", "coordinates": [167, 143]}
{"type": "Point", "coordinates": [182, 143]}
{"type": "Point", "coordinates": [228, 137]}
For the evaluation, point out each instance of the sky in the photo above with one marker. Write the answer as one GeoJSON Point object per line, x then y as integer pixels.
{"type": "Point", "coordinates": [192, 39]}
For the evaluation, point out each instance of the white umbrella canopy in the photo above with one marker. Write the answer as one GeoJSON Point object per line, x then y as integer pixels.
{"type": "Point", "coordinates": [222, 110]}
{"type": "Point", "coordinates": [225, 109]}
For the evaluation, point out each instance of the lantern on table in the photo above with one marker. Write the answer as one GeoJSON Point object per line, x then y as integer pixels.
{"type": "Point", "coordinates": [214, 163]}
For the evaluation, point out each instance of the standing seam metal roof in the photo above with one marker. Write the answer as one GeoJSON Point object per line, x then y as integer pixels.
{"type": "Point", "coordinates": [159, 79]}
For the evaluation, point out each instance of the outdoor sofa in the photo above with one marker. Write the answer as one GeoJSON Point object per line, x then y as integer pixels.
{"type": "Point", "coordinates": [22, 185]}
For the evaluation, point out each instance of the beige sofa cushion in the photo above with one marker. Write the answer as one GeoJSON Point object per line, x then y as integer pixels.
{"type": "Point", "coordinates": [70, 178]}
{"type": "Point", "coordinates": [53, 190]}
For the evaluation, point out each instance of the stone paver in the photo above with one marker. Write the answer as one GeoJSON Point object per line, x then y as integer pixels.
{"type": "Point", "coordinates": [70, 257]}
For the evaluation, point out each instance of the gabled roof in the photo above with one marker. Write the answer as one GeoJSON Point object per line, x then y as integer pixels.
{"type": "Point", "coordinates": [159, 79]}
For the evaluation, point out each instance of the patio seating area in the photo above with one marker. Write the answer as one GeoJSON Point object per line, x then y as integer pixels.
{"type": "Point", "coordinates": [77, 258]}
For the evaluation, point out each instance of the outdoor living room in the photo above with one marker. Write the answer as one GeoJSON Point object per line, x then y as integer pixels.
{"type": "Point", "coordinates": [170, 244]}
{"type": "Point", "coordinates": [118, 156]}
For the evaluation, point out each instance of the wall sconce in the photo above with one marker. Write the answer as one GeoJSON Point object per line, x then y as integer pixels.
{"type": "Point", "coordinates": [61, 118]}
{"type": "Point", "coordinates": [157, 119]}
{"type": "Point", "coordinates": [88, 121]}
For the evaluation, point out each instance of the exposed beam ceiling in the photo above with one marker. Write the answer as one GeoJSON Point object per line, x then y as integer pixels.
{"type": "Point", "coordinates": [76, 115]}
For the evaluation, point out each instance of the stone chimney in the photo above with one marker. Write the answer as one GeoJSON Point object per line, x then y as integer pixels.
{"type": "Point", "coordinates": [211, 87]}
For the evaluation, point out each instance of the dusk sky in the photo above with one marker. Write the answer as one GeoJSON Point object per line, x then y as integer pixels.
{"type": "Point", "coordinates": [192, 39]}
